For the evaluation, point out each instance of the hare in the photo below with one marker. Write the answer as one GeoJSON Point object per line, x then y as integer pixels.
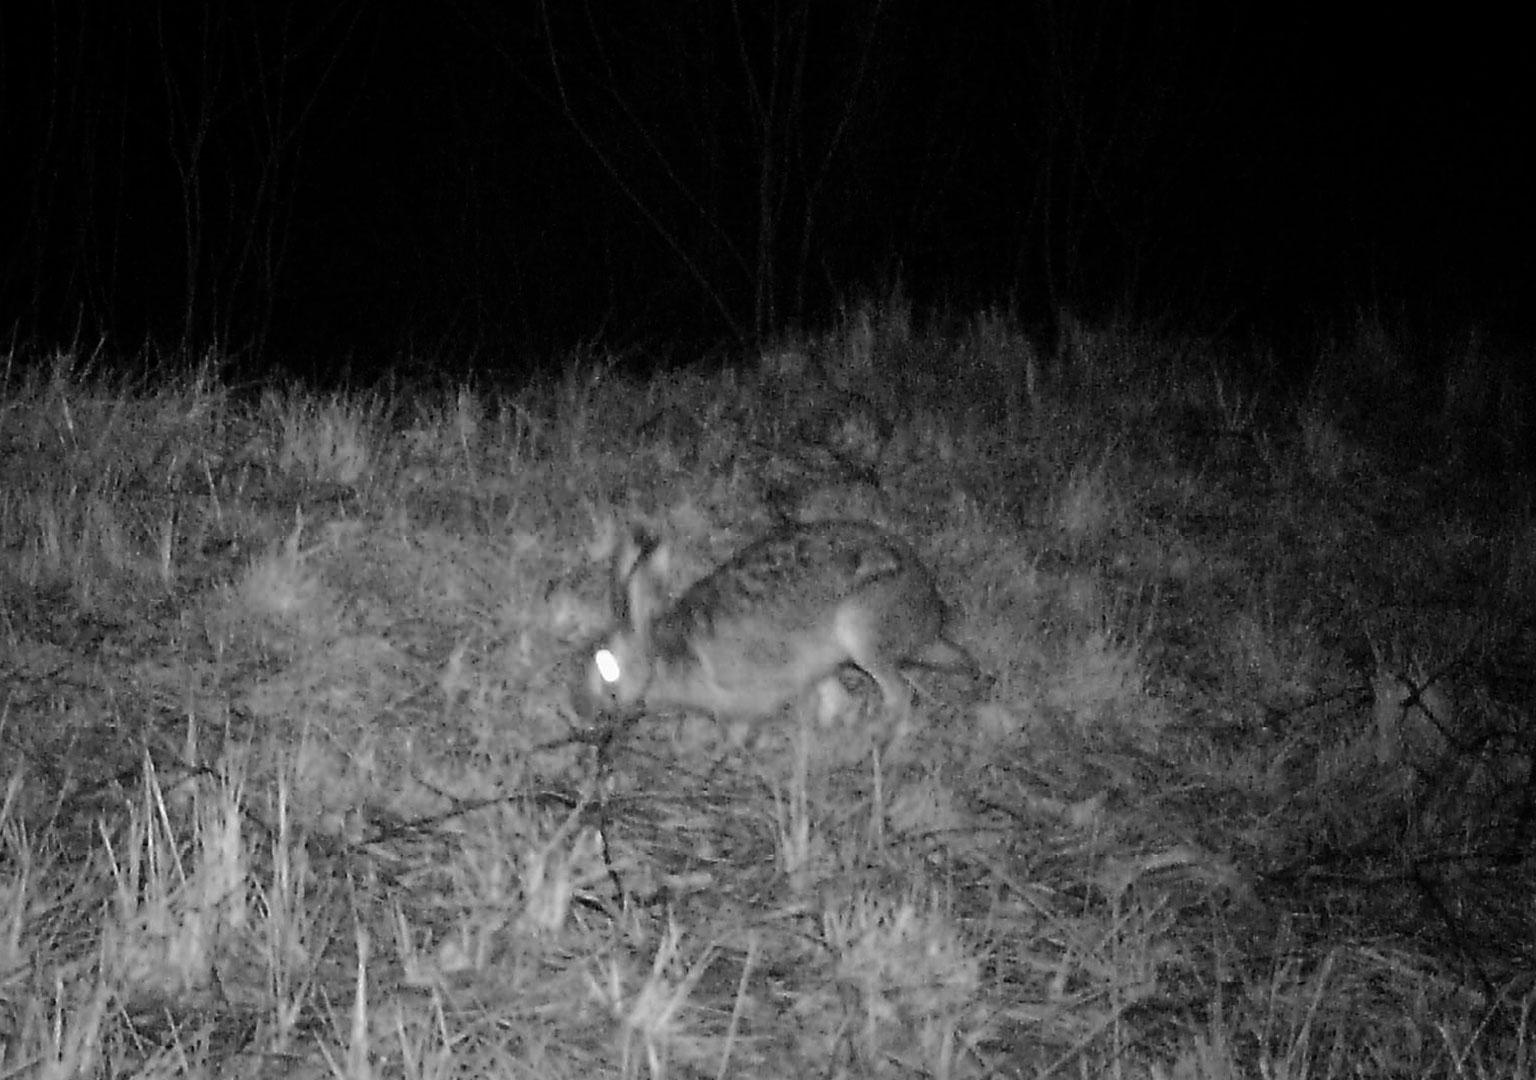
{"type": "Point", "coordinates": [779, 618]}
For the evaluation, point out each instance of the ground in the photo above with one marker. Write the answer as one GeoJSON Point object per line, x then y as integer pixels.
{"type": "Point", "coordinates": [292, 785]}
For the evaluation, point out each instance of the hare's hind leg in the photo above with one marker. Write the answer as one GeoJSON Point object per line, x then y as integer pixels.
{"type": "Point", "coordinates": [895, 691]}
{"type": "Point", "coordinates": [860, 633]}
{"type": "Point", "coordinates": [943, 655]}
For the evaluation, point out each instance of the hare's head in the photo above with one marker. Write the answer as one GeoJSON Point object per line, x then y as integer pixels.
{"type": "Point", "coordinates": [619, 667]}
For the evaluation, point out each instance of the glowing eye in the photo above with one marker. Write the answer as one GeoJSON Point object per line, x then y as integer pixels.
{"type": "Point", "coordinates": [607, 665]}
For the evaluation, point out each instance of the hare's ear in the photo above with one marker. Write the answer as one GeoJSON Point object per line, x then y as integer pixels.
{"type": "Point", "coordinates": [638, 581]}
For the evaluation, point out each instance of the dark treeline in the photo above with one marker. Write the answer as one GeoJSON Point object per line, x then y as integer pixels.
{"type": "Point", "coordinates": [297, 178]}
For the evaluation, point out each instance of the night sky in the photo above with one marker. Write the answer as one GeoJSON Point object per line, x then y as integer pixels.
{"type": "Point", "coordinates": [477, 179]}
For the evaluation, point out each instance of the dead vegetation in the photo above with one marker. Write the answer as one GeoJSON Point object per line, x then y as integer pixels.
{"type": "Point", "coordinates": [291, 785]}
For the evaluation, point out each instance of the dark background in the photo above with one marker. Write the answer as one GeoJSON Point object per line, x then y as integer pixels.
{"type": "Point", "coordinates": [345, 182]}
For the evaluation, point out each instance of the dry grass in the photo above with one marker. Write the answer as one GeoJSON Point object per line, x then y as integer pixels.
{"type": "Point", "coordinates": [291, 785]}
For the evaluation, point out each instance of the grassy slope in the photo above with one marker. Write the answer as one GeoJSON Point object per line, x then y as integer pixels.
{"type": "Point", "coordinates": [289, 786]}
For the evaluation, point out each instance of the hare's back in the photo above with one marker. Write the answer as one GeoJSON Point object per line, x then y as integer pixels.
{"type": "Point", "coordinates": [799, 575]}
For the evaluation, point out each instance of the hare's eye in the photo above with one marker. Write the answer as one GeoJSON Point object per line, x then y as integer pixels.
{"type": "Point", "coordinates": [607, 665]}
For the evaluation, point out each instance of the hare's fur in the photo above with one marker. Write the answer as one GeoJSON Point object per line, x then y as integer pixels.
{"type": "Point", "coordinates": [781, 616]}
